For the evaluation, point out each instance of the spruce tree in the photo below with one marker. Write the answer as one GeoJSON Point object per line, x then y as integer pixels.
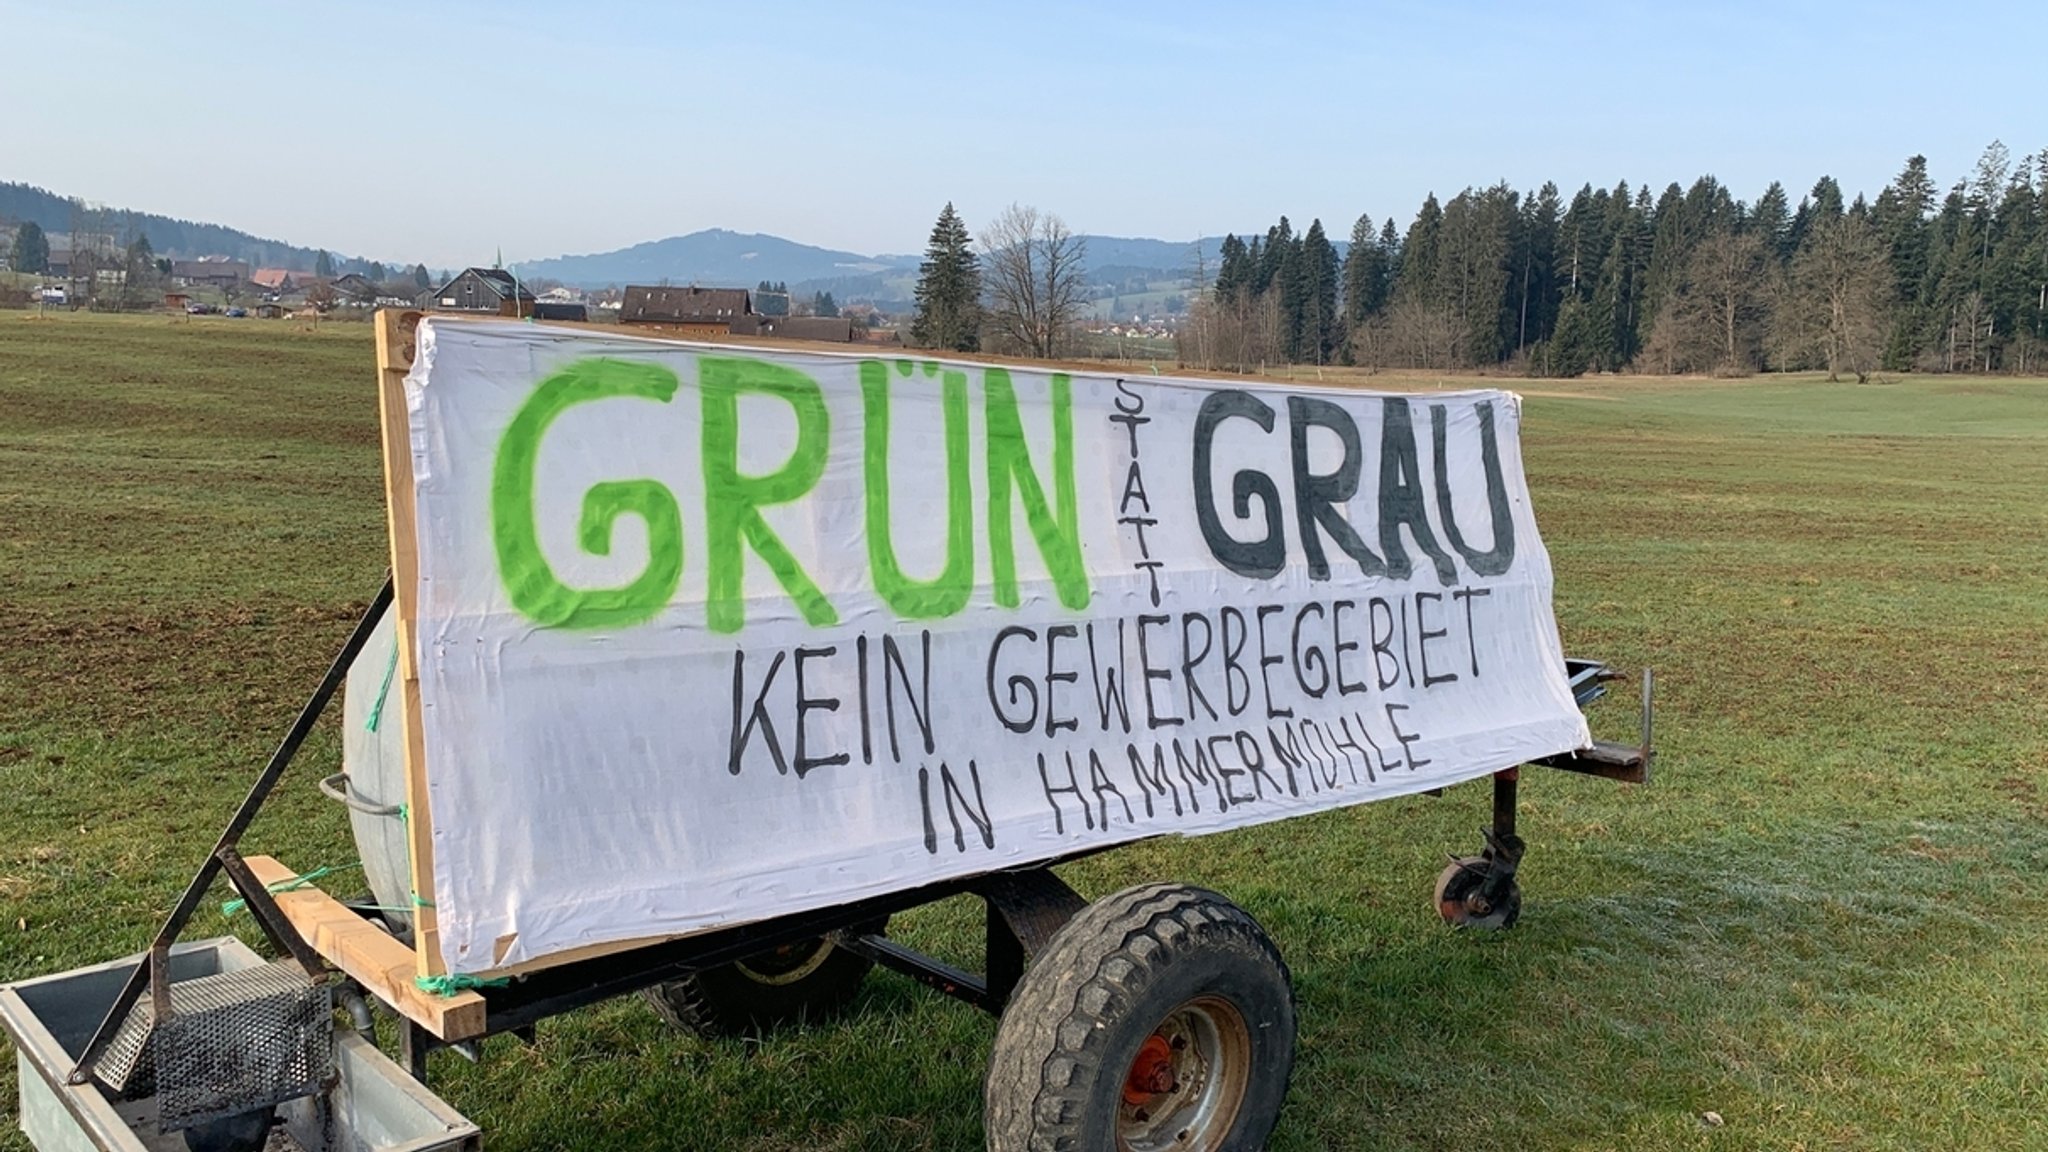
{"type": "Point", "coordinates": [948, 289]}
{"type": "Point", "coordinates": [1365, 274]}
{"type": "Point", "coordinates": [1772, 220]}
{"type": "Point", "coordinates": [1233, 271]}
{"type": "Point", "coordinates": [31, 249]}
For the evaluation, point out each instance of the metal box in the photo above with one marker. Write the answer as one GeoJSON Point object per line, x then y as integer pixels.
{"type": "Point", "coordinates": [373, 1105]}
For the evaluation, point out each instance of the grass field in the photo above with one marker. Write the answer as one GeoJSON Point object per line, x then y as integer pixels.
{"type": "Point", "coordinates": [1824, 922]}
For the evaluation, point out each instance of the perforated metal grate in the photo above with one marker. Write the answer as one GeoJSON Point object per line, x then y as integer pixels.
{"type": "Point", "coordinates": [236, 1041]}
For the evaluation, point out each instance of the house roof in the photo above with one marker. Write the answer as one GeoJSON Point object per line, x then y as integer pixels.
{"type": "Point", "coordinates": [271, 278]}
{"type": "Point", "coordinates": [212, 269]}
{"type": "Point", "coordinates": [691, 305]}
{"type": "Point", "coordinates": [496, 279]}
{"type": "Point", "coordinates": [836, 329]}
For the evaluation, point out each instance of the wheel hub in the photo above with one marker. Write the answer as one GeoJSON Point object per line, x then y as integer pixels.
{"type": "Point", "coordinates": [1187, 1080]}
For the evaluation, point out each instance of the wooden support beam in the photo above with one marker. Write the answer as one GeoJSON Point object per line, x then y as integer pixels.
{"type": "Point", "coordinates": [371, 956]}
{"type": "Point", "coordinates": [396, 333]}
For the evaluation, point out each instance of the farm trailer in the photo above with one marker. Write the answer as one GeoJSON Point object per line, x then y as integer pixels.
{"type": "Point", "coordinates": [1159, 1017]}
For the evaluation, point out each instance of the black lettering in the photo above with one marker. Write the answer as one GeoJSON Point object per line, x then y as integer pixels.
{"type": "Point", "coordinates": [1347, 740]}
{"type": "Point", "coordinates": [892, 667]}
{"type": "Point", "coordinates": [1467, 595]}
{"type": "Point", "coordinates": [1312, 660]}
{"type": "Point", "coordinates": [1134, 489]}
{"type": "Point", "coordinates": [1140, 523]}
{"type": "Point", "coordinates": [977, 810]}
{"type": "Point", "coordinates": [1099, 781]}
{"type": "Point", "coordinates": [1130, 424]}
{"type": "Point", "coordinates": [1018, 685]}
{"type": "Point", "coordinates": [1234, 673]}
{"type": "Point", "coordinates": [1401, 496]}
{"type": "Point", "coordinates": [1424, 636]}
{"type": "Point", "coordinates": [1495, 560]}
{"type": "Point", "coordinates": [1267, 661]}
{"type": "Point", "coordinates": [1152, 717]}
{"type": "Point", "coordinates": [1151, 570]}
{"type": "Point", "coordinates": [1223, 774]}
{"type": "Point", "coordinates": [1189, 657]}
{"type": "Point", "coordinates": [1109, 691]}
{"type": "Point", "coordinates": [1289, 756]}
{"type": "Point", "coordinates": [1382, 643]}
{"type": "Point", "coordinates": [1255, 760]}
{"type": "Point", "coordinates": [1407, 656]}
{"type": "Point", "coordinates": [808, 703]}
{"type": "Point", "coordinates": [1053, 721]}
{"type": "Point", "coordinates": [1331, 752]}
{"type": "Point", "coordinates": [757, 717]}
{"type": "Point", "coordinates": [1155, 780]}
{"type": "Point", "coordinates": [1258, 559]}
{"type": "Point", "coordinates": [867, 726]}
{"type": "Point", "coordinates": [1137, 399]}
{"type": "Point", "coordinates": [1319, 499]}
{"type": "Point", "coordinates": [1407, 739]}
{"type": "Point", "coordinates": [924, 800]}
{"type": "Point", "coordinates": [1198, 771]}
{"type": "Point", "coordinates": [1319, 752]}
{"type": "Point", "coordinates": [1072, 788]}
{"type": "Point", "coordinates": [1344, 687]}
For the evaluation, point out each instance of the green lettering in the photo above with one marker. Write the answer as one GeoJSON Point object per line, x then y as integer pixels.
{"type": "Point", "coordinates": [947, 593]}
{"type": "Point", "coordinates": [733, 503]}
{"type": "Point", "coordinates": [532, 585]}
{"type": "Point", "coordinates": [1058, 536]}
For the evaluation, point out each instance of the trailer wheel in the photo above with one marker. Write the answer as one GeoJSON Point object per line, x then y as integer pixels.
{"type": "Point", "coordinates": [809, 980]}
{"type": "Point", "coordinates": [1458, 898]}
{"type": "Point", "coordinates": [1158, 1018]}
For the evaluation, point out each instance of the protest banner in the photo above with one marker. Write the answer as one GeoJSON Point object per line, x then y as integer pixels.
{"type": "Point", "coordinates": [706, 634]}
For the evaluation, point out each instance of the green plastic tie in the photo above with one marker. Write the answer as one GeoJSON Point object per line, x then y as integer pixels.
{"type": "Point", "coordinates": [377, 709]}
{"type": "Point", "coordinates": [229, 908]}
{"type": "Point", "coordinates": [420, 903]}
{"type": "Point", "coordinates": [454, 983]}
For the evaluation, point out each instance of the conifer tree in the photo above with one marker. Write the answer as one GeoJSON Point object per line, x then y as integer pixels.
{"type": "Point", "coordinates": [949, 289]}
{"type": "Point", "coordinates": [31, 249]}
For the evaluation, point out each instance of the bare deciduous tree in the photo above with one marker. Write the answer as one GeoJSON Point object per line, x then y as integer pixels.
{"type": "Point", "coordinates": [1835, 304]}
{"type": "Point", "coordinates": [1032, 267]}
{"type": "Point", "coordinates": [1715, 319]}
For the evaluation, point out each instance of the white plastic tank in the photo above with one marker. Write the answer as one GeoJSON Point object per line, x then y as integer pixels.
{"type": "Point", "coordinates": [372, 779]}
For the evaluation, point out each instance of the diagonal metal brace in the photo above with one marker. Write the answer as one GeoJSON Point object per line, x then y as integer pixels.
{"type": "Point", "coordinates": [155, 973]}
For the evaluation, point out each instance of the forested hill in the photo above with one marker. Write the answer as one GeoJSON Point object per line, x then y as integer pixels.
{"type": "Point", "coordinates": [1687, 279]}
{"type": "Point", "coordinates": [181, 239]}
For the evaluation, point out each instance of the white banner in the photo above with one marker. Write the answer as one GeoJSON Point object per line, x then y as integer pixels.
{"type": "Point", "coordinates": [710, 634]}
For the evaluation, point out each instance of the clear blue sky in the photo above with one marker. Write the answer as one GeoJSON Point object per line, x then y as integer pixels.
{"type": "Point", "coordinates": [366, 127]}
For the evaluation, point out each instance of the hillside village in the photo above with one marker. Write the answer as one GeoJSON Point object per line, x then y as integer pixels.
{"type": "Point", "coordinates": [113, 266]}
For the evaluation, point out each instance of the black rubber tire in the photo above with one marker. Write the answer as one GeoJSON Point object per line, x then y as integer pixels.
{"type": "Point", "coordinates": [1459, 880]}
{"type": "Point", "coordinates": [732, 1000]}
{"type": "Point", "coordinates": [1110, 976]}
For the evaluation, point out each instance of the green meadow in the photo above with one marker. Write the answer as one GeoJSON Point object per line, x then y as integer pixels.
{"type": "Point", "coordinates": [1824, 922]}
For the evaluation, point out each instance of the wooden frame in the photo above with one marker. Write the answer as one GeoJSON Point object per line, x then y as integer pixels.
{"type": "Point", "coordinates": [396, 334]}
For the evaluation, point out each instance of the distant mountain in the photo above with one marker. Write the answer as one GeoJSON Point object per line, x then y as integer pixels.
{"type": "Point", "coordinates": [182, 239]}
{"type": "Point", "coordinates": [739, 259]}
{"type": "Point", "coordinates": [713, 256]}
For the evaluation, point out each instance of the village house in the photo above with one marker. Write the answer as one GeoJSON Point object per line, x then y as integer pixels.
{"type": "Point", "coordinates": [690, 311]}
{"type": "Point", "coordinates": [275, 281]}
{"type": "Point", "coordinates": [561, 310]}
{"type": "Point", "coordinates": [492, 290]}
{"type": "Point", "coordinates": [210, 272]}
{"type": "Point", "coordinates": [830, 329]}
{"type": "Point", "coordinates": [354, 288]}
